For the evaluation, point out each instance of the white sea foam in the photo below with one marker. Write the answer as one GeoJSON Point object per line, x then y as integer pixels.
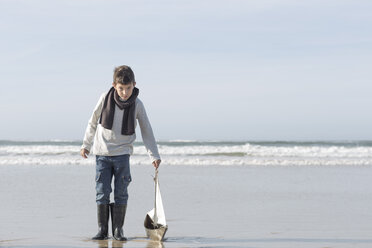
{"type": "Point", "coordinates": [38, 150]}
{"type": "Point", "coordinates": [202, 154]}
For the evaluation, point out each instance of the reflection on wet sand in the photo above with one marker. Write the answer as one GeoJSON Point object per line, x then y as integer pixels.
{"type": "Point", "coordinates": [109, 243]}
{"type": "Point", "coordinates": [155, 244]}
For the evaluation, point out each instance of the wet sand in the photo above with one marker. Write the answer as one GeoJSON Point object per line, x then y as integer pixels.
{"type": "Point", "coordinates": [54, 206]}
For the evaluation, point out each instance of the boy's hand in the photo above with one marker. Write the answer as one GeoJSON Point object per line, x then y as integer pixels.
{"type": "Point", "coordinates": [84, 153]}
{"type": "Point", "coordinates": [156, 163]}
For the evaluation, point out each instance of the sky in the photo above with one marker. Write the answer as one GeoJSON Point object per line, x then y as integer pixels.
{"type": "Point", "coordinates": [206, 69]}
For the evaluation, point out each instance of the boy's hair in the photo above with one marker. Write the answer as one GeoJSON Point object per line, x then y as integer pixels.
{"type": "Point", "coordinates": [123, 75]}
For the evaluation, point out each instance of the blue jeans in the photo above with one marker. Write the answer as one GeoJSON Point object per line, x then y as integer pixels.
{"type": "Point", "coordinates": [106, 167]}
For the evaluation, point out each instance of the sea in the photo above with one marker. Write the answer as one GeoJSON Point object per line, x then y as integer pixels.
{"type": "Point", "coordinates": [200, 153]}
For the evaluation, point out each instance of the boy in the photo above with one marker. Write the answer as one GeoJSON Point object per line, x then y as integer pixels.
{"type": "Point", "coordinates": [112, 127]}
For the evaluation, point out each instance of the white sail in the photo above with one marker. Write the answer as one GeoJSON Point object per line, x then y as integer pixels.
{"type": "Point", "coordinates": [159, 215]}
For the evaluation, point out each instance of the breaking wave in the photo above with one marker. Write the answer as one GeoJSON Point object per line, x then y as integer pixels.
{"type": "Point", "coordinates": [196, 153]}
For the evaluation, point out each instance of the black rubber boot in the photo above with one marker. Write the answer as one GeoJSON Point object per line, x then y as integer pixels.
{"type": "Point", "coordinates": [117, 219]}
{"type": "Point", "coordinates": [102, 217]}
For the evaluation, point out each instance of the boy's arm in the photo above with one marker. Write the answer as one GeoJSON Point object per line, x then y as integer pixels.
{"type": "Point", "coordinates": [92, 125]}
{"type": "Point", "coordinates": [147, 134]}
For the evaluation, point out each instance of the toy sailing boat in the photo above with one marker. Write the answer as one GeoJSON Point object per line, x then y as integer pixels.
{"type": "Point", "coordinates": [155, 223]}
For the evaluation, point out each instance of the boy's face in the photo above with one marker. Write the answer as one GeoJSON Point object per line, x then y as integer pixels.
{"type": "Point", "coordinates": [124, 90]}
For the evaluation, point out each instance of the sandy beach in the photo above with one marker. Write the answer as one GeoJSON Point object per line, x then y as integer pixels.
{"type": "Point", "coordinates": [206, 206]}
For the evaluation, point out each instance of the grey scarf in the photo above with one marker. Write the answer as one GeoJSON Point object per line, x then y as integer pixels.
{"type": "Point", "coordinates": [129, 106]}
